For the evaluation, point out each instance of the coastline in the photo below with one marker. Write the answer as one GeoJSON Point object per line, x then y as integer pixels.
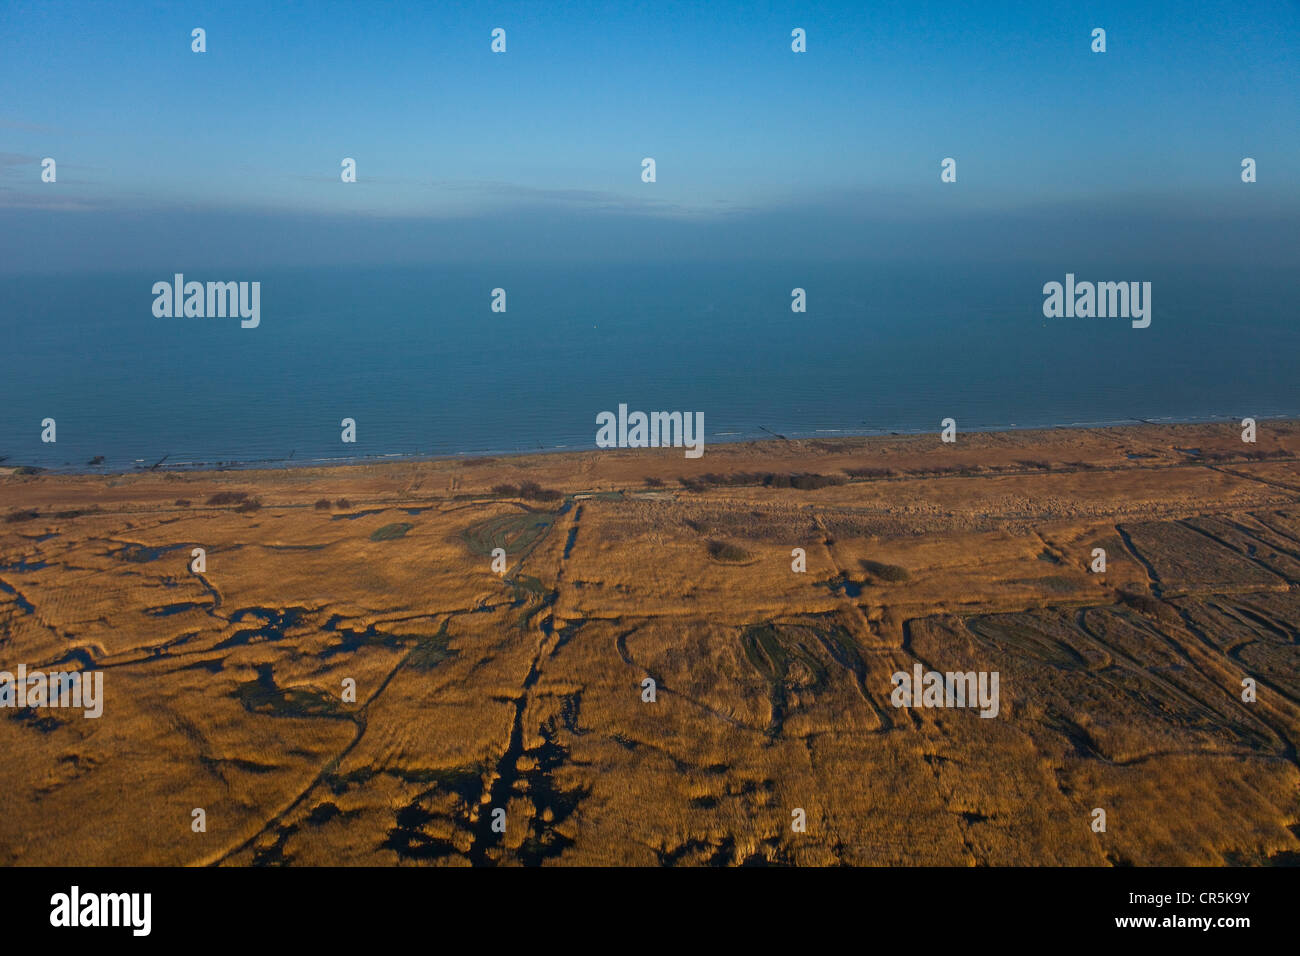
{"type": "Point", "coordinates": [730, 438]}
{"type": "Point", "coordinates": [564, 473]}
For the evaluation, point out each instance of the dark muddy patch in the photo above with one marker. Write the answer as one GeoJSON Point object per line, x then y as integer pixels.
{"type": "Point", "coordinates": [273, 624]}
{"type": "Point", "coordinates": [167, 610]}
{"type": "Point", "coordinates": [142, 554]}
{"type": "Point", "coordinates": [42, 722]}
{"type": "Point", "coordinates": [263, 696]}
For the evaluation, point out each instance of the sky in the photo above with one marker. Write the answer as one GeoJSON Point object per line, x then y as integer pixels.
{"type": "Point", "coordinates": [232, 157]}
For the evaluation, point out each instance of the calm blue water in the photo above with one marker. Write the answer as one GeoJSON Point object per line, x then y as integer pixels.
{"type": "Point", "coordinates": [423, 365]}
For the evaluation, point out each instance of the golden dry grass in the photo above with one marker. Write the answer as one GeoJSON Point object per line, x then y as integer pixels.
{"type": "Point", "coordinates": [477, 691]}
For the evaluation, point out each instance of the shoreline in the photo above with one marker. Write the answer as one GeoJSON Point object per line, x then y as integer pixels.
{"type": "Point", "coordinates": [724, 439]}
{"type": "Point", "coordinates": [810, 469]}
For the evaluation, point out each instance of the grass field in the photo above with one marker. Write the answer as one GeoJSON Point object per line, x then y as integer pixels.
{"type": "Point", "coordinates": [478, 691]}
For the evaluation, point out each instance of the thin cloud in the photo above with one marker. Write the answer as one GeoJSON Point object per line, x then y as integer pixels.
{"type": "Point", "coordinates": [26, 127]}
{"type": "Point", "coordinates": [10, 160]}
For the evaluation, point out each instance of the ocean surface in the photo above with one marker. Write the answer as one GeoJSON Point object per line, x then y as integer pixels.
{"type": "Point", "coordinates": [419, 360]}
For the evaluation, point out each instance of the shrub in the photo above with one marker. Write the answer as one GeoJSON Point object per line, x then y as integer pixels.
{"type": "Point", "coordinates": [813, 482]}
{"type": "Point", "coordinates": [768, 479]}
{"type": "Point", "coordinates": [323, 504]}
{"type": "Point", "coordinates": [885, 572]}
{"type": "Point", "coordinates": [390, 532]}
{"type": "Point", "coordinates": [528, 489]}
{"type": "Point", "coordinates": [935, 471]}
{"type": "Point", "coordinates": [535, 492]}
{"type": "Point", "coordinates": [1245, 455]}
{"type": "Point", "coordinates": [228, 497]}
{"type": "Point", "coordinates": [77, 512]}
{"type": "Point", "coordinates": [722, 551]}
{"type": "Point", "coordinates": [1148, 605]}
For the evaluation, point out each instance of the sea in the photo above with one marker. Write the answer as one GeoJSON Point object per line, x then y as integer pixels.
{"type": "Point", "coordinates": [423, 365]}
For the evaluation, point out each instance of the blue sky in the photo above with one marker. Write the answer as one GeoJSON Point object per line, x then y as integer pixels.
{"type": "Point", "coordinates": [158, 146]}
